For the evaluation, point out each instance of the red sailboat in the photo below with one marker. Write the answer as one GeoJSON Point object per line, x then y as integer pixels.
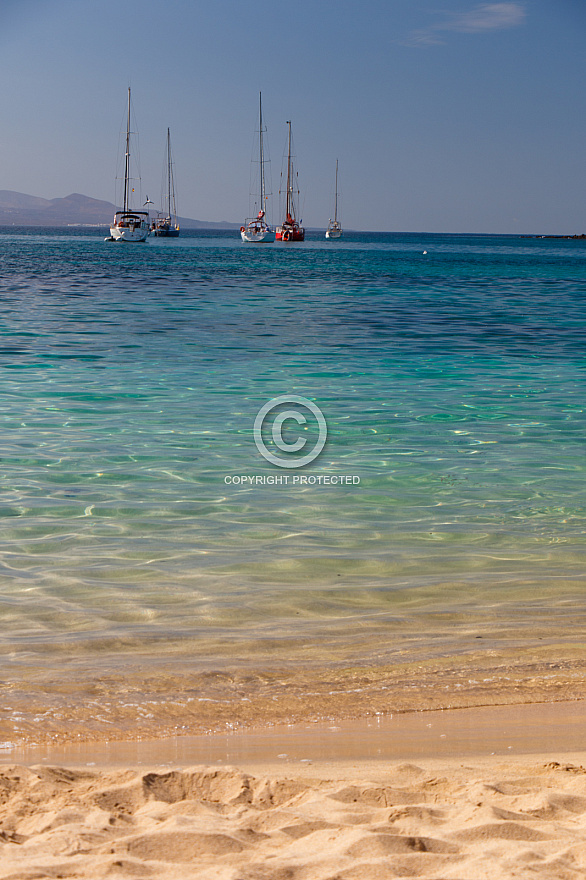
{"type": "Point", "coordinates": [290, 230]}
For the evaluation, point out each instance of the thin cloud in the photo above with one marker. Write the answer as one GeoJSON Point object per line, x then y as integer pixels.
{"type": "Point", "coordinates": [481, 20]}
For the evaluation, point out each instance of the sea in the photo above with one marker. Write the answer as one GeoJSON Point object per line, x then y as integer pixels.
{"type": "Point", "coordinates": [232, 462]}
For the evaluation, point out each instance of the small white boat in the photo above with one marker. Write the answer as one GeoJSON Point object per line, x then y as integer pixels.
{"type": "Point", "coordinates": [129, 225]}
{"type": "Point", "coordinates": [256, 228]}
{"type": "Point", "coordinates": [334, 229]}
{"type": "Point", "coordinates": [166, 223]}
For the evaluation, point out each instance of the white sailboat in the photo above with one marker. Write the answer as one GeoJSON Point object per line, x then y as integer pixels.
{"type": "Point", "coordinates": [256, 228]}
{"type": "Point", "coordinates": [334, 229]}
{"type": "Point", "coordinates": [129, 225]}
{"type": "Point", "coordinates": [166, 223]}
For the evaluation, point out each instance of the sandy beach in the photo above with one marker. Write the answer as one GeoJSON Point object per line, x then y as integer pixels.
{"type": "Point", "coordinates": [495, 792]}
{"type": "Point", "coordinates": [521, 818]}
{"type": "Point", "coordinates": [434, 770]}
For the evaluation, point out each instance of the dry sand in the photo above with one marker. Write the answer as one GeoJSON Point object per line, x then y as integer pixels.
{"type": "Point", "coordinates": [487, 816]}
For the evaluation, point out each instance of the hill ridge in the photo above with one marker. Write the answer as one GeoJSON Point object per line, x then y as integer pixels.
{"type": "Point", "coordinates": [75, 209]}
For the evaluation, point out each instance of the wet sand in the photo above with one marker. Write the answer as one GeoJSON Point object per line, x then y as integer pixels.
{"type": "Point", "coordinates": [503, 731]}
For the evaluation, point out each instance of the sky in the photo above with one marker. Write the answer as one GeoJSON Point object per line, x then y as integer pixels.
{"type": "Point", "coordinates": [445, 115]}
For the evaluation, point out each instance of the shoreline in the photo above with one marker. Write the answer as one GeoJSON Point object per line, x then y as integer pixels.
{"type": "Point", "coordinates": [81, 704]}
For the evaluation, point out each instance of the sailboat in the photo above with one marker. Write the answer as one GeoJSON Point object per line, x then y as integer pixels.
{"type": "Point", "coordinates": [129, 225]}
{"type": "Point", "coordinates": [334, 229]}
{"type": "Point", "coordinates": [166, 223]}
{"type": "Point", "coordinates": [257, 228]}
{"type": "Point", "coordinates": [290, 230]}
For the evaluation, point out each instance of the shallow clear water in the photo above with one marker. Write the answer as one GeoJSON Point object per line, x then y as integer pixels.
{"type": "Point", "coordinates": [452, 384]}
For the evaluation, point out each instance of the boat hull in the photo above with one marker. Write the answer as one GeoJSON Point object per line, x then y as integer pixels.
{"type": "Point", "coordinates": [171, 232]}
{"type": "Point", "coordinates": [287, 232]}
{"type": "Point", "coordinates": [334, 233]}
{"type": "Point", "coordinates": [266, 237]}
{"type": "Point", "coordinates": [255, 232]}
{"type": "Point", "coordinates": [119, 234]}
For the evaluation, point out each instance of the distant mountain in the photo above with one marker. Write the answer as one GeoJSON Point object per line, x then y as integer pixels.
{"type": "Point", "coordinates": [19, 209]}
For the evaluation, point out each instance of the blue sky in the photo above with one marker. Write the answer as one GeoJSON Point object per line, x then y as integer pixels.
{"type": "Point", "coordinates": [445, 115]}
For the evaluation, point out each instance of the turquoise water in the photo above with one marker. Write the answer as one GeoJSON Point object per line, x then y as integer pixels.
{"type": "Point", "coordinates": [452, 385]}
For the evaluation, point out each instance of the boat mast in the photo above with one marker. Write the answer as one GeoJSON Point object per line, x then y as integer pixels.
{"type": "Point", "coordinates": [127, 157]}
{"type": "Point", "coordinates": [169, 173]}
{"type": "Point", "coordinates": [171, 210]}
{"type": "Point", "coordinates": [336, 196]}
{"type": "Point", "coordinates": [262, 161]}
{"type": "Point", "coordinates": [289, 184]}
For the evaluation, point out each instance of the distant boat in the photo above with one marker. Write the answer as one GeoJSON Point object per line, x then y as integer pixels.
{"type": "Point", "coordinates": [334, 229]}
{"type": "Point", "coordinates": [290, 230]}
{"type": "Point", "coordinates": [257, 228]}
{"type": "Point", "coordinates": [129, 225]}
{"type": "Point", "coordinates": [166, 223]}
